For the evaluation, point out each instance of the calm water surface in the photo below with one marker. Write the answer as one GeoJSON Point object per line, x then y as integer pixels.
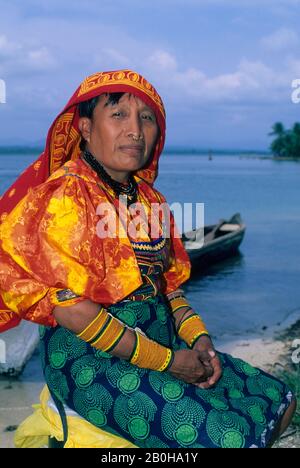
{"type": "Point", "coordinates": [260, 287]}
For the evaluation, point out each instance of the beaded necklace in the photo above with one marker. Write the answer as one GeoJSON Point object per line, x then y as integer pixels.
{"type": "Point", "coordinates": [130, 190]}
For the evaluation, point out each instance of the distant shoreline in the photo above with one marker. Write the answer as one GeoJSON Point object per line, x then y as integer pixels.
{"type": "Point", "coordinates": [20, 150]}
{"type": "Point", "coordinates": [210, 154]}
{"type": "Point", "coordinates": [36, 149]}
{"type": "Point", "coordinates": [271, 158]}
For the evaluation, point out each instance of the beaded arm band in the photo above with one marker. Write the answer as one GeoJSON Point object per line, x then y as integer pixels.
{"type": "Point", "coordinates": [151, 355]}
{"type": "Point", "coordinates": [191, 326]}
{"type": "Point", "coordinates": [191, 329]}
{"type": "Point", "coordinates": [105, 332]}
{"type": "Point", "coordinates": [178, 303]}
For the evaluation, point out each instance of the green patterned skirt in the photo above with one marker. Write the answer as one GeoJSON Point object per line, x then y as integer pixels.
{"type": "Point", "coordinates": [154, 409]}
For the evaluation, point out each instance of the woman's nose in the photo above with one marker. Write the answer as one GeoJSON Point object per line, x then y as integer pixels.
{"type": "Point", "coordinates": [134, 128]}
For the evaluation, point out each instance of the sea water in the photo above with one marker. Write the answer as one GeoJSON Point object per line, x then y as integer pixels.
{"type": "Point", "coordinates": [259, 288]}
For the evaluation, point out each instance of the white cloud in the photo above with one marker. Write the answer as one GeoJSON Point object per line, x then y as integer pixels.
{"type": "Point", "coordinates": [16, 57]}
{"type": "Point", "coordinates": [40, 59]}
{"type": "Point", "coordinates": [113, 56]}
{"type": "Point", "coordinates": [281, 39]}
{"type": "Point", "coordinates": [294, 66]}
{"type": "Point", "coordinates": [43, 57]}
{"type": "Point", "coordinates": [7, 47]}
{"type": "Point", "coordinates": [251, 80]}
{"type": "Point", "coordinates": [162, 60]}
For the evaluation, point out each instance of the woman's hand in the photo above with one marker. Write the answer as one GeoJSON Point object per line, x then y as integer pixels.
{"type": "Point", "coordinates": [209, 359]}
{"type": "Point", "coordinates": [187, 366]}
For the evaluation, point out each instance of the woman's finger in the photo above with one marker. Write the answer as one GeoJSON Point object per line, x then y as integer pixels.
{"type": "Point", "coordinates": [217, 371]}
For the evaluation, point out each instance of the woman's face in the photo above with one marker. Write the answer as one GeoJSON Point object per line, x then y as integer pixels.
{"type": "Point", "coordinates": [120, 136]}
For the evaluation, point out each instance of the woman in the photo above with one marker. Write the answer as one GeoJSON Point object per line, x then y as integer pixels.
{"type": "Point", "coordinates": [121, 345]}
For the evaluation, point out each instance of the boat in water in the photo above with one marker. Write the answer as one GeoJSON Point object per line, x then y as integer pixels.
{"type": "Point", "coordinates": [211, 244]}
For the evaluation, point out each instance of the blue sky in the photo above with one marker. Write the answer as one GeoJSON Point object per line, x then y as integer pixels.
{"type": "Point", "coordinates": [224, 68]}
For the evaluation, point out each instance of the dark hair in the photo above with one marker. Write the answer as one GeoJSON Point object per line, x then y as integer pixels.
{"type": "Point", "coordinates": [86, 109]}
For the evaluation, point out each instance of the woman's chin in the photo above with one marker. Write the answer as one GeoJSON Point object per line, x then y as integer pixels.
{"type": "Point", "coordinates": [132, 167]}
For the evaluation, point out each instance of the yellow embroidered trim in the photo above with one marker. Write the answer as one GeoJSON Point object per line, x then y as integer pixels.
{"type": "Point", "coordinates": [151, 355]}
{"type": "Point", "coordinates": [148, 247]}
{"type": "Point", "coordinates": [191, 328]}
{"type": "Point", "coordinates": [126, 77]}
{"type": "Point", "coordinates": [62, 126]}
{"type": "Point", "coordinates": [6, 316]}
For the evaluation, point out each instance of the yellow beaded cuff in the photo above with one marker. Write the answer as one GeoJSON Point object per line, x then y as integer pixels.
{"type": "Point", "coordinates": [191, 328]}
{"type": "Point", "coordinates": [151, 355]}
{"type": "Point", "coordinates": [178, 303]}
{"type": "Point", "coordinates": [104, 332]}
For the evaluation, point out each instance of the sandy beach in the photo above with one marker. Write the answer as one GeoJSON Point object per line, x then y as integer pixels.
{"type": "Point", "coordinates": [271, 352]}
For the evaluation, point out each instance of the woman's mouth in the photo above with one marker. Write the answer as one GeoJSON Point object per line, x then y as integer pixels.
{"type": "Point", "coordinates": [133, 150]}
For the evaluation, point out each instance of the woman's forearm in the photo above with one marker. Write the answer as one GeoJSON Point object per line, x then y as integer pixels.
{"type": "Point", "coordinates": [77, 318]}
{"type": "Point", "coordinates": [188, 323]}
{"type": "Point", "coordinates": [96, 326]}
{"type": "Point", "coordinates": [179, 311]}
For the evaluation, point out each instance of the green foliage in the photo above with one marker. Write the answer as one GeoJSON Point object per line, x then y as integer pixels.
{"type": "Point", "coordinates": [287, 141]}
{"type": "Point", "coordinates": [291, 377]}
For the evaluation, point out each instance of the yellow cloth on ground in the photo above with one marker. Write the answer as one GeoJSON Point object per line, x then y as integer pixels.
{"type": "Point", "coordinates": [45, 422]}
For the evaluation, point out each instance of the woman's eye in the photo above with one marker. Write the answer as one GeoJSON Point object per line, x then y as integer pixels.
{"type": "Point", "coordinates": [117, 114]}
{"type": "Point", "coordinates": [148, 117]}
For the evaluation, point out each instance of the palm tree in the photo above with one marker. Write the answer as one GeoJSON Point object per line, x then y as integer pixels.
{"type": "Point", "coordinates": [296, 139]}
{"type": "Point", "coordinates": [278, 145]}
{"type": "Point", "coordinates": [278, 129]}
{"type": "Point", "coordinates": [287, 142]}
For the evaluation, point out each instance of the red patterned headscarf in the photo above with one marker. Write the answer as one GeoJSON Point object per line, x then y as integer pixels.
{"type": "Point", "coordinates": [64, 138]}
